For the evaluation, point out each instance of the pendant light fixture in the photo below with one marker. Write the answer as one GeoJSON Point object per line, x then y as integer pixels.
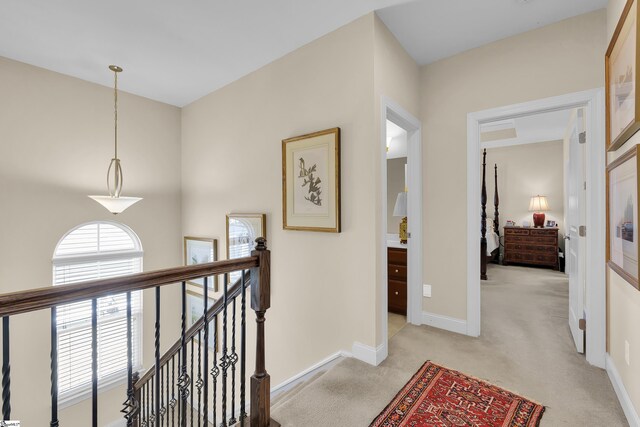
{"type": "Point", "coordinates": [114, 202]}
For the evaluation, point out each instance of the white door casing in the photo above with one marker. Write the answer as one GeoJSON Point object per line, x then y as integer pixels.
{"type": "Point", "coordinates": [592, 101]}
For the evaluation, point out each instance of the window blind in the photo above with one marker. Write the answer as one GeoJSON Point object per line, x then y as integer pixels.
{"type": "Point", "coordinates": [90, 252]}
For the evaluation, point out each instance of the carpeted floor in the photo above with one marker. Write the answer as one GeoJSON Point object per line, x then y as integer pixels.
{"type": "Point", "coordinates": [395, 323]}
{"type": "Point", "coordinates": [525, 347]}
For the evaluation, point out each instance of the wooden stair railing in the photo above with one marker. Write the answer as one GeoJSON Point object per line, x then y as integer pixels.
{"type": "Point", "coordinates": [146, 403]}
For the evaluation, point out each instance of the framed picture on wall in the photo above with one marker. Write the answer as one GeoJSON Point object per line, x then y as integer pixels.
{"type": "Point", "coordinates": [195, 309]}
{"type": "Point", "coordinates": [201, 250]}
{"type": "Point", "coordinates": [311, 182]}
{"type": "Point", "coordinates": [621, 74]}
{"type": "Point", "coordinates": [242, 232]}
{"type": "Point", "coordinates": [622, 216]}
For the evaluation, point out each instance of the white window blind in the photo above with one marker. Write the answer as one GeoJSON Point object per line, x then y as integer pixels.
{"type": "Point", "coordinates": [94, 251]}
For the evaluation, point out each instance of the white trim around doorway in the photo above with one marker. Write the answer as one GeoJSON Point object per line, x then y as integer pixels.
{"type": "Point", "coordinates": [593, 103]}
{"type": "Point", "coordinates": [390, 110]}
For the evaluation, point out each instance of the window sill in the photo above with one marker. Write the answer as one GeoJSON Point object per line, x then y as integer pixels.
{"type": "Point", "coordinates": [103, 387]}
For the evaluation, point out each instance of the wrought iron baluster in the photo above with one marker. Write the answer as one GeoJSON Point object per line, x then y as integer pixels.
{"type": "Point", "coordinates": [243, 351]}
{"type": "Point", "coordinates": [94, 362]}
{"type": "Point", "coordinates": [199, 380]}
{"type": "Point", "coordinates": [205, 358]}
{"type": "Point", "coordinates": [233, 360]}
{"type": "Point", "coordinates": [54, 368]}
{"type": "Point", "coordinates": [224, 360]}
{"type": "Point", "coordinates": [163, 409]}
{"type": "Point", "coordinates": [156, 396]}
{"type": "Point", "coordinates": [6, 370]}
{"type": "Point", "coordinates": [130, 405]}
{"type": "Point", "coordinates": [184, 380]}
{"type": "Point", "coordinates": [173, 401]}
{"type": "Point", "coordinates": [141, 420]}
{"type": "Point", "coordinates": [215, 371]}
{"type": "Point", "coordinates": [152, 406]}
{"type": "Point", "coordinates": [192, 382]}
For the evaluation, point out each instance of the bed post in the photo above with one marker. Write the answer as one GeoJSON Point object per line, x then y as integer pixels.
{"type": "Point", "coordinates": [496, 214]}
{"type": "Point", "coordinates": [483, 220]}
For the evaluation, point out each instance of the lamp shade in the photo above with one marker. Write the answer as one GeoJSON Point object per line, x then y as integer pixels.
{"type": "Point", "coordinates": [400, 208]}
{"type": "Point", "coordinates": [116, 205]}
{"type": "Point", "coordinates": [538, 204]}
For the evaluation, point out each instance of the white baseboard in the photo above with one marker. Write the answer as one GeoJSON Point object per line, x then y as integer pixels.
{"type": "Point", "coordinates": [372, 356]}
{"type": "Point", "coordinates": [301, 377]}
{"type": "Point", "coordinates": [118, 423]}
{"type": "Point", "coordinates": [625, 401]}
{"type": "Point", "coordinates": [444, 322]}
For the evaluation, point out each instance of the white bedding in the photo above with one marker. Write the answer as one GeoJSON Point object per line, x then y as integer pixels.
{"type": "Point", "coordinates": [493, 242]}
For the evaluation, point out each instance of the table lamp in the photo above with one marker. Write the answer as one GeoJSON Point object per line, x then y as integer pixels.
{"type": "Point", "coordinates": [400, 210]}
{"type": "Point", "coordinates": [538, 205]}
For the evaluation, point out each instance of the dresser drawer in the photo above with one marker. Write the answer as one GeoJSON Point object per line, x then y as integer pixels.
{"type": "Point", "coordinates": [397, 256]}
{"type": "Point", "coordinates": [531, 258]}
{"type": "Point", "coordinates": [516, 231]}
{"type": "Point", "coordinates": [397, 272]}
{"type": "Point", "coordinates": [397, 296]}
{"type": "Point", "coordinates": [548, 240]}
{"type": "Point", "coordinates": [553, 232]}
{"type": "Point", "coordinates": [531, 247]}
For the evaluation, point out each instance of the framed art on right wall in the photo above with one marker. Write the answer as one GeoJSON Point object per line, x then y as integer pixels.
{"type": "Point", "coordinates": [622, 216]}
{"type": "Point", "coordinates": [621, 74]}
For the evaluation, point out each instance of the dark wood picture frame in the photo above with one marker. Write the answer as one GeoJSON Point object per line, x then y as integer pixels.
{"type": "Point", "coordinates": [633, 127]}
{"type": "Point", "coordinates": [630, 154]}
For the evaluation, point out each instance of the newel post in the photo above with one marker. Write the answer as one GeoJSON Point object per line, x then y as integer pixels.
{"type": "Point", "coordinates": [260, 303]}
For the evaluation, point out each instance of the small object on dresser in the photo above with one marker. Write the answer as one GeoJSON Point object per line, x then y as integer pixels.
{"type": "Point", "coordinates": [526, 224]}
{"type": "Point", "coordinates": [511, 223]}
{"type": "Point", "coordinates": [550, 224]}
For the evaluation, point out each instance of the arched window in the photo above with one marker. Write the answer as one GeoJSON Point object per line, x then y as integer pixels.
{"type": "Point", "coordinates": [92, 251]}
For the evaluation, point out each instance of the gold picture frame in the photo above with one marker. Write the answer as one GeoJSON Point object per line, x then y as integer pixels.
{"type": "Point", "coordinates": [311, 182]}
{"type": "Point", "coordinates": [622, 64]}
{"type": "Point", "coordinates": [199, 250]}
{"type": "Point", "coordinates": [623, 195]}
{"type": "Point", "coordinates": [194, 312]}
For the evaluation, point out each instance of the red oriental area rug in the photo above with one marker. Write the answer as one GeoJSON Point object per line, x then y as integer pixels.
{"type": "Point", "coordinates": [440, 397]}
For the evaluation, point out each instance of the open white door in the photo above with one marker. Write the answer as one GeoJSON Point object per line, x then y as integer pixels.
{"type": "Point", "coordinates": [575, 246]}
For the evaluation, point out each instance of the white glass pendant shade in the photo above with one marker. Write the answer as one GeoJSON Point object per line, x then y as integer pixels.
{"type": "Point", "coordinates": [116, 205]}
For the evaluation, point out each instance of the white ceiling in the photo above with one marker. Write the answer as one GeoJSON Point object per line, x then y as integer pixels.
{"type": "Point", "coordinates": [171, 51]}
{"type": "Point", "coordinates": [529, 129]}
{"type": "Point", "coordinates": [178, 51]}
{"type": "Point", "coordinates": [434, 29]}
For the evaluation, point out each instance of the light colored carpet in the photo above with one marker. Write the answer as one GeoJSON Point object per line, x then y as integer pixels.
{"type": "Point", "coordinates": [525, 347]}
{"type": "Point", "coordinates": [395, 323]}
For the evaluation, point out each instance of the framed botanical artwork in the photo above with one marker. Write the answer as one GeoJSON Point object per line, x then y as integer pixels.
{"type": "Point", "coordinates": [621, 73]}
{"type": "Point", "coordinates": [201, 250]}
{"type": "Point", "coordinates": [311, 182]}
{"type": "Point", "coordinates": [242, 232]}
{"type": "Point", "coordinates": [194, 312]}
{"type": "Point", "coordinates": [622, 216]}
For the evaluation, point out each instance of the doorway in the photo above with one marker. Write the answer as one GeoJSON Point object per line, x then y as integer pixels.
{"type": "Point", "coordinates": [593, 280]}
{"type": "Point", "coordinates": [409, 127]}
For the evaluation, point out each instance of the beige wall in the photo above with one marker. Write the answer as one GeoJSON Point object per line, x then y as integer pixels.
{"type": "Point", "coordinates": [395, 184]}
{"type": "Point", "coordinates": [524, 171]}
{"type": "Point", "coordinates": [624, 300]}
{"type": "Point", "coordinates": [56, 141]}
{"type": "Point", "coordinates": [561, 58]}
{"type": "Point", "coordinates": [231, 157]}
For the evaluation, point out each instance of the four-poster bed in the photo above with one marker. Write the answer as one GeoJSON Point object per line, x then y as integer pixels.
{"type": "Point", "coordinates": [489, 243]}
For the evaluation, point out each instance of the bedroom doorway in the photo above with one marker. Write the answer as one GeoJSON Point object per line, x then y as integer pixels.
{"type": "Point", "coordinates": [400, 243]}
{"type": "Point", "coordinates": [571, 173]}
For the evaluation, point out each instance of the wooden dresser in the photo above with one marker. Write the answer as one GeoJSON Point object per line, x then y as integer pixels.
{"type": "Point", "coordinates": [397, 273]}
{"type": "Point", "coordinates": [533, 246]}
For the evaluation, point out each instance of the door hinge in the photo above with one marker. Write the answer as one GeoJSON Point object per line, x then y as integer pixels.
{"type": "Point", "coordinates": [409, 235]}
{"type": "Point", "coordinates": [582, 324]}
{"type": "Point", "coordinates": [584, 185]}
{"type": "Point", "coordinates": [582, 231]}
{"type": "Point", "coordinates": [582, 138]}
